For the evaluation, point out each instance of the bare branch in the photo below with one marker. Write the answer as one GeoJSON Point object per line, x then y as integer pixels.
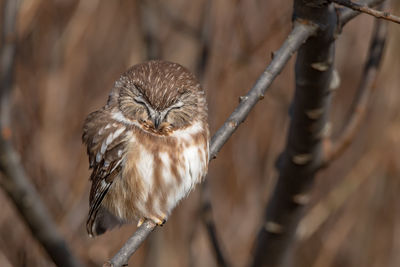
{"type": "Point", "coordinates": [301, 32]}
{"type": "Point", "coordinates": [206, 207]}
{"type": "Point", "coordinates": [133, 243]}
{"type": "Point", "coordinates": [359, 105]}
{"type": "Point", "coordinates": [204, 41]}
{"type": "Point", "coordinates": [339, 195]}
{"type": "Point", "coordinates": [208, 221]}
{"type": "Point", "coordinates": [27, 200]}
{"type": "Point", "coordinates": [302, 154]}
{"type": "Point", "coordinates": [8, 48]}
{"type": "Point", "coordinates": [15, 181]}
{"type": "Point", "coordinates": [370, 11]}
{"type": "Point", "coordinates": [348, 14]}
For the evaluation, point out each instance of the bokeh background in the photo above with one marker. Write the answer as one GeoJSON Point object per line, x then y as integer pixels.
{"type": "Point", "coordinates": [70, 52]}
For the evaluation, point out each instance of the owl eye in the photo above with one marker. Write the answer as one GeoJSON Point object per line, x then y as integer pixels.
{"type": "Point", "coordinates": [177, 105]}
{"type": "Point", "coordinates": [142, 101]}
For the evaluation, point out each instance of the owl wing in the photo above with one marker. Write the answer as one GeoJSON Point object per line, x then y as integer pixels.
{"type": "Point", "coordinates": [106, 146]}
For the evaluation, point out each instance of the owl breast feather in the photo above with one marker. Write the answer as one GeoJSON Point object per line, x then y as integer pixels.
{"type": "Point", "coordinates": [158, 172]}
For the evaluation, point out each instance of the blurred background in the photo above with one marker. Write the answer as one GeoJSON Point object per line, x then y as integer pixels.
{"type": "Point", "coordinates": [70, 52]}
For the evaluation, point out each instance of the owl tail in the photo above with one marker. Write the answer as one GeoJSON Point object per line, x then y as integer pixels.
{"type": "Point", "coordinates": [102, 222]}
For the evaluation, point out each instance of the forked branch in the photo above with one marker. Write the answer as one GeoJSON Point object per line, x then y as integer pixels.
{"type": "Point", "coordinates": [301, 32]}
{"type": "Point", "coordinates": [367, 10]}
{"type": "Point", "coordinates": [303, 154]}
{"type": "Point", "coordinates": [347, 14]}
{"type": "Point", "coordinates": [319, 214]}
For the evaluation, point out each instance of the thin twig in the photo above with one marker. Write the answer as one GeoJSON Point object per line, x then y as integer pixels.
{"type": "Point", "coordinates": [359, 105]}
{"type": "Point", "coordinates": [15, 181]}
{"type": "Point", "coordinates": [367, 10]}
{"type": "Point", "coordinates": [300, 33]}
{"type": "Point", "coordinates": [348, 14]}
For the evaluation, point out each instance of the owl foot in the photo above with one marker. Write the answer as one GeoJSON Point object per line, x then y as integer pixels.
{"type": "Point", "coordinates": [160, 221]}
{"type": "Point", "coordinates": [140, 222]}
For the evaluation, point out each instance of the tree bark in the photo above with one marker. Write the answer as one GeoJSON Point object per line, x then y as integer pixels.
{"type": "Point", "coordinates": [302, 155]}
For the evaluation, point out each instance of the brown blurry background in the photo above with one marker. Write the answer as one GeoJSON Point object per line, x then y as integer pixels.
{"type": "Point", "coordinates": [70, 52]}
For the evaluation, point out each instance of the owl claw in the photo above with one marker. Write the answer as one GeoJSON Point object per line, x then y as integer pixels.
{"type": "Point", "coordinates": [163, 219]}
{"type": "Point", "coordinates": [159, 221]}
{"type": "Point", "coordinates": [140, 222]}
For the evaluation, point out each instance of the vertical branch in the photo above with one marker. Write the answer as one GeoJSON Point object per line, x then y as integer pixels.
{"type": "Point", "coordinates": [205, 41]}
{"type": "Point", "coordinates": [7, 62]}
{"type": "Point", "coordinates": [359, 105]}
{"type": "Point", "coordinates": [315, 218]}
{"type": "Point", "coordinates": [15, 181]}
{"type": "Point", "coordinates": [314, 66]}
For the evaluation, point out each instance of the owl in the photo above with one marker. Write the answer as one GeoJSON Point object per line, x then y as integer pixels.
{"type": "Point", "coordinates": [147, 147]}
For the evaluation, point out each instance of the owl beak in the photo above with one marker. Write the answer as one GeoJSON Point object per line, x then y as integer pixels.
{"type": "Point", "coordinates": [157, 121]}
{"type": "Point", "coordinates": [157, 117]}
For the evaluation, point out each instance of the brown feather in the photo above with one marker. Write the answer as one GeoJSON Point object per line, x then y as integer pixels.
{"type": "Point", "coordinates": [140, 170]}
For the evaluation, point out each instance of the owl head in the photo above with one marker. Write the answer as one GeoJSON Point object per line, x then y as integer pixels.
{"type": "Point", "coordinates": [160, 95]}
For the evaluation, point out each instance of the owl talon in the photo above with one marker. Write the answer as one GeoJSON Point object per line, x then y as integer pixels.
{"type": "Point", "coordinates": [159, 221]}
{"type": "Point", "coordinates": [140, 222]}
{"type": "Point", "coordinates": [163, 219]}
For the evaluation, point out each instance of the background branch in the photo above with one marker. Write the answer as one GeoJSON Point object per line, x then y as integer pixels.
{"type": "Point", "coordinates": [207, 218]}
{"type": "Point", "coordinates": [365, 9]}
{"type": "Point", "coordinates": [302, 154]}
{"type": "Point", "coordinates": [173, 17]}
{"type": "Point", "coordinates": [359, 104]}
{"type": "Point", "coordinates": [300, 33]}
{"type": "Point", "coordinates": [149, 23]}
{"type": "Point", "coordinates": [69, 53]}
{"type": "Point", "coordinates": [15, 181]}
{"type": "Point", "coordinates": [347, 14]}
{"type": "Point", "coordinates": [206, 209]}
{"type": "Point", "coordinates": [338, 196]}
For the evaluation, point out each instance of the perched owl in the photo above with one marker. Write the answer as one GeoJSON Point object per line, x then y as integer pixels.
{"type": "Point", "coordinates": [147, 147]}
